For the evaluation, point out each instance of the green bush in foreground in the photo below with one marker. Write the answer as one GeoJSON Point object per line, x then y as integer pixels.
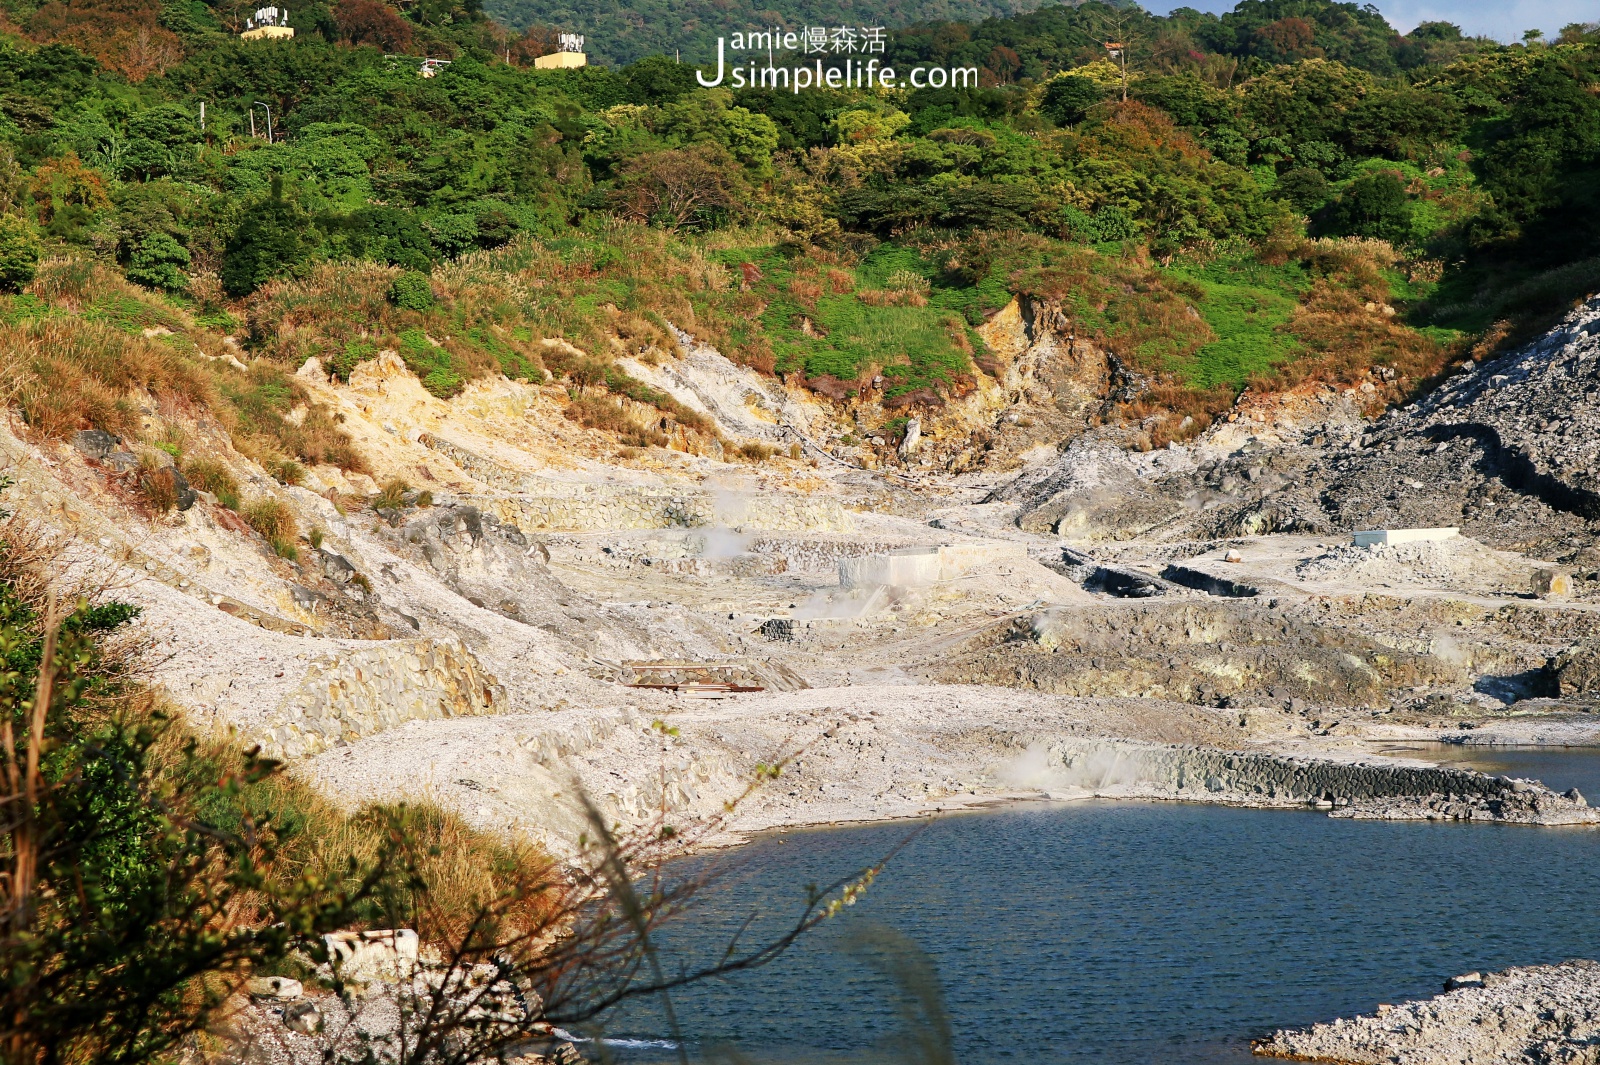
{"type": "Point", "coordinates": [144, 874]}
{"type": "Point", "coordinates": [20, 251]}
{"type": "Point", "coordinates": [412, 291]}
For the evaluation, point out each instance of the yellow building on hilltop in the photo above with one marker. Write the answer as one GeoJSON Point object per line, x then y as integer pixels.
{"type": "Point", "coordinates": [569, 57]}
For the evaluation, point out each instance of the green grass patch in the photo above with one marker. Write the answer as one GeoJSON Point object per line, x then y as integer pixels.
{"type": "Point", "coordinates": [1248, 305]}
{"type": "Point", "coordinates": [432, 364]}
{"type": "Point", "coordinates": [131, 314]}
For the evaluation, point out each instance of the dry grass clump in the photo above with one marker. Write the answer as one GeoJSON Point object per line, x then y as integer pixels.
{"type": "Point", "coordinates": [273, 519]}
{"type": "Point", "coordinates": [805, 291]}
{"type": "Point", "coordinates": [258, 402]}
{"type": "Point", "coordinates": [214, 476]}
{"type": "Point", "coordinates": [287, 471]}
{"type": "Point", "coordinates": [645, 336]}
{"type": "Point", "coordinates": [156, 483]}
{"type": "Point", "coordinates": [755, 451]}
{"type": "Point", "coordinates": [89, 286]}
{"type": "Point", "coordinates": [71, 374]}
{"type": "Point", "coordinates": [290, 320]}
{"type": "Point", "coordinates": [903, 288]}
{"type": "Point", "coordinates": [1344, 322]}
{"type": "Point", "coordinates": [391, 495]}
{"type": "Point", "coordinates": [1348, 337]}
{"type": "Point", "coordinates": [607, 414]}
{"type": "Point", "coordinates": [94, 369]}
{"type": "Point", "coordinates": [1170, 412]}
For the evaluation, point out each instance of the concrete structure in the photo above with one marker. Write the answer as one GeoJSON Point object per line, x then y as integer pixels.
{"type": "Point", "coordinates": [1388, 537]}
{"type": "Point", "coordinates": [268, 23]}
{"type": "Point", "coordinates": [561, 61]}
{"type": "Point", "coordinates": [568, 57]}
{"type": "Point", "coordinates": [281, 33]}
{"type": "Point", "coordinates": [910, 567]}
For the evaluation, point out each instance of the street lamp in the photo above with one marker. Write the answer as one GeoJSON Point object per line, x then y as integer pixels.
{"type": "Point", "coordinates": [268, 110]}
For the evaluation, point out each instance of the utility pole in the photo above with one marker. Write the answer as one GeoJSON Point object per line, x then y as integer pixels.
{"type": "Point", "coordinates": [1119, 51]}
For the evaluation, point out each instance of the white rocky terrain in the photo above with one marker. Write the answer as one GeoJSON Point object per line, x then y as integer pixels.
{"type": "Point", "coordinates": [1084, 620]}
{"type": "Point", "coordinates": [1541, 1015]}
{"type": "Point", "coordinates": [541, 612]}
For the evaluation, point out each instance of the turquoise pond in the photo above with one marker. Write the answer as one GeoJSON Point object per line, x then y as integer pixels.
{"type": "Point", "coordinates": [1128, 933]}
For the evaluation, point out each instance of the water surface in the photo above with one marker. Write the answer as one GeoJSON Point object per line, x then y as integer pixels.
{"type": "Point", "coordinates": [1131, 933]}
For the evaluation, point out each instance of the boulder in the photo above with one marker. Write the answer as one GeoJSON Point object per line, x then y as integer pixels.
{"type": "Point", "coordinates": [1575, 671]}
{"type": "Point", "coordinates": [386, 953]}
{"type": "Point", "coordinates": [913, 438]}
{"type": "Point", "coordinates": [336, 568]}
{"type": "Point", "coordinates": [302, 1017]}
{"type": "Point", "coordinates": [122, 461]}
{"type": "Point", "coordinates": [94, 443]}
{"type": "Point", "coordinates": [1551, 584]}
{"type": "Point", "coordinates": [279, 988]}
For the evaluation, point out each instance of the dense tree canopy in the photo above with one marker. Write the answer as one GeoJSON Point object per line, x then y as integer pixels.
{"type": "Point", "coordinates": [1279, 117]}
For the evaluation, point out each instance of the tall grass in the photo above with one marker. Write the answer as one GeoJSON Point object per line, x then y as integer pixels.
{"type": "Point", "coordinates": [214, 476]}
{"type": "Point", "coordinates": [275, 521]}
{"type": "Point", "coordinates": [70, 374]}
{"type": "Point", "coordinates": [75, 355]}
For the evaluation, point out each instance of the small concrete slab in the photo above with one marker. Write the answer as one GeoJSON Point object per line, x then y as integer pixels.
{"type": "Point", "coordinates": [1387, 537]}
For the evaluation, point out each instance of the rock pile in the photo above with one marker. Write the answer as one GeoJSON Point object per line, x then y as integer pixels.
{"type": "Point", "coordinates": [1542, 1015]}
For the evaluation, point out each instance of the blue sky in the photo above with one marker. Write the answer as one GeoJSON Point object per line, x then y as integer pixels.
{"type": "Point", "coordinates": [1503, 20]}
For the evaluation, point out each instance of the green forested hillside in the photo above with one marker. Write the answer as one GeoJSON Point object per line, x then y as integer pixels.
{"type": "Point", "coordinates": [622, 31]}
{"type": "Point", "coordinates": [1244, 215]}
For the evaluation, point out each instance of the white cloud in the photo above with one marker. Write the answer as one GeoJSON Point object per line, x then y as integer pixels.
{"type": "Point", "coordinates": [1504, 20]}
{"type": "Point", "coordinates": [1499, 19]}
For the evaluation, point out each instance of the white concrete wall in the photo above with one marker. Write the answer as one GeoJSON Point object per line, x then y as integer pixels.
{"type": "Point", "coordinates": [913, 567]}
{"type": "Point", "coordinates": [1402, 536]}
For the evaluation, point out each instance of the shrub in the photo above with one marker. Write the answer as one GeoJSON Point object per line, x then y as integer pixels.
{"type": "Point", "coordinates": [273, 519]}
{"type": "Point", "coordinates": [1304, 187]}
{"type": "Point", "coordinates": [159, 262]}
{"type": "Point", "coordinates": [1373, 205]}
{"type": "Point", "coordinates": [20, 251]}
{"type": "Point", "coordinates": [214, 476]}
{"type": "Point", "coordinates": [412, 291]}
{"type": "Point", "coordinates": [272, 240]}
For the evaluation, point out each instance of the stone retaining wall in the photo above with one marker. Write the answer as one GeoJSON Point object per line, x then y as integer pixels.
{"type": "Point", "coordinates": [360, 692]}
{"type": "Point", "coordinates": [640, 507]}
{"type": "Point", "coordinates": [1352, 789]}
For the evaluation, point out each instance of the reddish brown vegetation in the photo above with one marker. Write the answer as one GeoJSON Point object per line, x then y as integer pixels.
{"type": "Point", "coordinates": [123, 35]}
{"type": "Point", "coordinates": [372, 22]}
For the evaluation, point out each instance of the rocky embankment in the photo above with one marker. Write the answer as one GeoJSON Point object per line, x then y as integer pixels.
{"type": "Point", "coordinates": [1541, 1015]}
{"type": "Point", "coordinates": [1508, 449]}
{"type": "Point", "coordinates": [1364, 790]}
